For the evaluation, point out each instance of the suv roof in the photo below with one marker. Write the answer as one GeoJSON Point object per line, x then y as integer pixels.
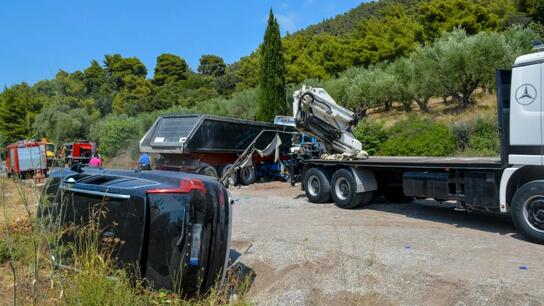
{"type": "Point", "coordinates": [127, 179]}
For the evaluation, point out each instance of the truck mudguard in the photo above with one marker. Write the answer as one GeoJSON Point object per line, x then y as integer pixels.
{"type": "Point", "coordinates": [365, 179]}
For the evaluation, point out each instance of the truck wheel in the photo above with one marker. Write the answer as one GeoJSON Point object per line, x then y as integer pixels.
{"type": "Point", "coordinates": [233, 177]}
{"type": "Point", "coordinates": [247, 175]}
{"type": "Point", "coordinates": [396, 195]}
{"type": "Point", "coordinates": [344, 191]}
{"type": "Point", "coordinates": [317, 186]}
{"type": "Point", "coordinates": [208, 171]}
{"type": "Point", "coordinates": [528, 211]}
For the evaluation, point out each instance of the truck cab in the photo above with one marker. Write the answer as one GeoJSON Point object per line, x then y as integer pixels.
{"type": "Point", "coordinates": [526, 113]}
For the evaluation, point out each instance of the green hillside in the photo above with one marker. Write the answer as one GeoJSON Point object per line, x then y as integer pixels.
{"type": "Point", "coordinates": [376, 55]}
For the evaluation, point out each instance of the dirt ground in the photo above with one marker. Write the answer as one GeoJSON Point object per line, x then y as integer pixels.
{"type": "Point", "coordinates": [386, 254]}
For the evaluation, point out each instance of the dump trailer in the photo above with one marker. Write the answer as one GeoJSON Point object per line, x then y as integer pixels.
{"type": "Point", "coordinates": [26, 158]}
{"type": "Point", "coordinates": [510, 184]}
{"type": "Point", "coordinates": [210, 145]}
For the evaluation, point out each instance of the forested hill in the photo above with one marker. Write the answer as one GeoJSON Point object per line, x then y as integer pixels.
{"type": "Point", "coordinates": [381, 31]}
{"type": "Point", "coordinates": [345, 23]}
{"type": "Point", "coordinates": [114, 100]}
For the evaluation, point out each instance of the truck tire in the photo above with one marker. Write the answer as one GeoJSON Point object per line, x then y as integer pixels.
{"type": "Point", "coordinates": [208, 171]}
{"type": "Point", "coordinates": [233, 177]}
{"type": "Point", "coordinates": [317, 185]}
{"type": "Point", "coordinates": [528, 211]}
{"type": "Point", "coordinates": [344, 191]}
{"type": "Point", "coordinates": [247, 175]}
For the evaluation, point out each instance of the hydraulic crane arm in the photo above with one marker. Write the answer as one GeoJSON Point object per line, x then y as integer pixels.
{"type": "Point", "coordinates": [317, 114]}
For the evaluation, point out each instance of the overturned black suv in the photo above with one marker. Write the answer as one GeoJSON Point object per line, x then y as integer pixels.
{"type": "Point", "coordinates": [173, 228]}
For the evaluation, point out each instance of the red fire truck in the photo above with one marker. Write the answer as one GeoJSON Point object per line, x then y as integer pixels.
{"type": "Point", "coordinates": [26, 158]}
{"type": "Point", "coordinates": [78, 152]}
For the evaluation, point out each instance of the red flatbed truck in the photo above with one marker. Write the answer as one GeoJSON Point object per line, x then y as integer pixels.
{"type": "Point", "coordinates": [510, 184]}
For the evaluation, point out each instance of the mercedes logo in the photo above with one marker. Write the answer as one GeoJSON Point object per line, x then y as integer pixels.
{"type": "Point", "coordinates": [526, 94]}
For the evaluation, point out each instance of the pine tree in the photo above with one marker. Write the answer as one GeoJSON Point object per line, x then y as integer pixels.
{"type": "Point", "coordinates": [272, 94]}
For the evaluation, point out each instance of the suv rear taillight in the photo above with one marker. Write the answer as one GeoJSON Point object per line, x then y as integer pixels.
{"type": "Point", "coordinates": [185, 186]}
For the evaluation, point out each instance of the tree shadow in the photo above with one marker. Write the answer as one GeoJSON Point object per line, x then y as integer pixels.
{"type": "Point", "coordinates": [430, 210]}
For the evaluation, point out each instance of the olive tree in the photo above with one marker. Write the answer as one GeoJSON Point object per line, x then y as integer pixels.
{"type": "Point", "coordinates": [372, 87]}
{"type": "Point", "coordinates": [463, 63]}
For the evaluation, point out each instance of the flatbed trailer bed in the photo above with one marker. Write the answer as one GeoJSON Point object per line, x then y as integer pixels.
{"type": "Point", "coordinates": [473, 163]}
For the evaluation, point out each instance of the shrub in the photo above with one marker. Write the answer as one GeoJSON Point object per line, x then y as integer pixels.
{"type": "Point", "coordinates": [372, 135]}
{"type": "Point", "coordinates": [419, 137]}
{"type": "Point", "coordinates": [20, 248]}
{"type": "Point", "coordinates": [116, 133]}
{"type": "Point", "coordinates": [484, 139]}
{"type": "Point", "coordinates": [461, 132]}
{"type": "Point", "coordinates": [479, 137]}
{"type": "Point", "coordinates": [4, 251]}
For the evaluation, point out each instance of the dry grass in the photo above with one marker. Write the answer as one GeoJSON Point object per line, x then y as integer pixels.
{"type": "Point", "coordinates": [123, 160]}
{"type": "Point", "coordinates": [15, 193]}
{"type": "Point", "coordinates": [486, 105]}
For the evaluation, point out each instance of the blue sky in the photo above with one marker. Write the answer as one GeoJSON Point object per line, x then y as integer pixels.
{"type": "Point", "coordinates": [39, 37]}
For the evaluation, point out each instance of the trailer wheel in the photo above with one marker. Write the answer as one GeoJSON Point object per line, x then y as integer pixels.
{"type": "Point", "coordinates": [233, 177]}
{"type": "Point", "coordinates": [208, 171]}
{"type": "Point", "coordinates": [344, 191]}
{"type": "Point", "coordinates": [317, 185]}
{"type": "Point", "coordinates": [528, 211]}
{"type": "Point", "coordinates": [247, 175]}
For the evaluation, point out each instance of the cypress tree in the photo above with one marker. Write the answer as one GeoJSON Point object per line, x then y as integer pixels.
{"type": "Point", "coordinates": [272, 94]}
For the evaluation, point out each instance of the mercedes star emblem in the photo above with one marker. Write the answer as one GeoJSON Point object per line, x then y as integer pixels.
{"type": "Point", "coordinates": [526, 94]}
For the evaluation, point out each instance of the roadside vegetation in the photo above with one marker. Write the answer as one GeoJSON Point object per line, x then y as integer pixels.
{"type": "Point", "coordinates": [438, 87]}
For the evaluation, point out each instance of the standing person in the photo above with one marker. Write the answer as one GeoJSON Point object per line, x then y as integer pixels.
{"type": "Point", "coordinates": [95, 161]}
{"type": "Point", "coordinates": [144, 163]}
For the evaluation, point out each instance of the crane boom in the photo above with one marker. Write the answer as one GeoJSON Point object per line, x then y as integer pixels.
{"type": "Point", "coordinates": [318, 115]}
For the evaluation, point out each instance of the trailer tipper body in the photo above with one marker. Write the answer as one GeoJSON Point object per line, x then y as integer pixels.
{"type": "Point", "coordinates": [512, 183]}
{"type": "Point", "coordinates": [210, 145]}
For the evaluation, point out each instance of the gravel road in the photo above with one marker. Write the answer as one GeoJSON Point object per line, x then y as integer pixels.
{"type": "Point", "coordinates": [386, 254]}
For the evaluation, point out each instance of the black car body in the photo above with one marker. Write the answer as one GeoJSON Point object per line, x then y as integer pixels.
{"type": "Point", "coordinates": [173, 228]}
